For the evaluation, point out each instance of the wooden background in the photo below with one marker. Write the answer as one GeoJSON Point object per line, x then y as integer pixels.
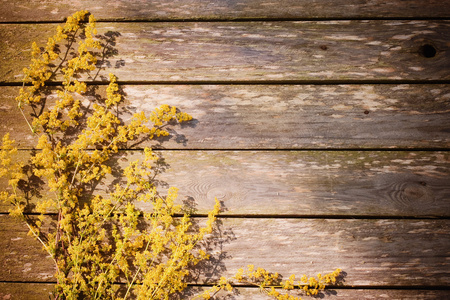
{"type": "Point", "coordinates": [323, 126]}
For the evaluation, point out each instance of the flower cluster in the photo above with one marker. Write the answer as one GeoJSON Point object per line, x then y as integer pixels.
{"type": "Point", "coordinates": [12, 171]}
{"type": "Point", "coordinates": [96, 241]}
{"type": "Point", "coordinates": [39, 72]}
{"type": "Point", "coordinates": [272, 284]}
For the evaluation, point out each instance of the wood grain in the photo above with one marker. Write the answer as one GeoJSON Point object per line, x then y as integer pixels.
{"type": "Point", "coordinates": [13, 11]}
{"type": "Point", "coordinates": [38, 291]}
{"type": "Point", "coordinates": [280, 116]}
{"type": "Point", "coordinates": [352, 95]}
{"type": "Point", "coordinates": [298, 183]}
{"type": "Point", "coordinates": [255, 51]}
{"type": "Point", "coordinates": [371, 252]}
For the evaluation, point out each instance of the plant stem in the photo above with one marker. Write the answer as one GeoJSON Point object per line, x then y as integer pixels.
{"type": "Point", "coordinates": [135, 275]}
{"type": "Point", "coordinates": [28, 123]}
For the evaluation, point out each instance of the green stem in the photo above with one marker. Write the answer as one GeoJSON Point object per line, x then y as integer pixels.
{"type": "Point", "coordinates": [135, 275]}
{"type": "Point", "coordinates": [42, 242]}
{"type": "Point", "coordinates": [28, 123]}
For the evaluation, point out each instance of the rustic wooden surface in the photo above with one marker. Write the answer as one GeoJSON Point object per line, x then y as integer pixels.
{"type": "Point", "coordinates": [366, 249]}
{"type": "Point", "coordinates": [306, 183]}
{"type": "Point", "coordinates": [57, 10]}
{"type": "Point", "coordinates": [35, 291]}
{"type": "Point", "coordinates": [322, 126]}
{"type": "Point", "coordinates": [282, 116]}
{"type": "Point", "coordinates": [256, 51]}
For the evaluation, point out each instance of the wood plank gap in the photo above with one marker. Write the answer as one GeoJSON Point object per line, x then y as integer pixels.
{"type": "Point", "coordinates": [353, 287]}
{"type": "Point", "coordinates": [294, 216]}
{"type": "Point", "coordinates": [232, 20]}
{"type": "Point", "coordinates": [324, 217]}
{"type": "Point", "coordinates": [278, 149]}
{"type": "Point", "coordinates": [391, 287]}
{"type": "Point", "coordinates": [288, 149]}
{"type": "Point", "coordinates": [267, 19]}
{"type": "Point", "coordinates": [250, 82]}
{"type": "Point", "coordinates": [28, 282]}
{"type": "Point", "coordinates": [330, 287]}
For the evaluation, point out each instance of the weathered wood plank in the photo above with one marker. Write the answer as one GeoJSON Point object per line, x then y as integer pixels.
{"type": "Point", "coordinates": [39, 291]}
{"type": "Point", "coordinates": [301, 183]}
{"type": "Point", "coordinates": [371, 252]}
{"type": "Point", "coordinates": [13, 11]}
{"type": "Point", "coordinates": [29, 291]}
{"type": "Point", "coordinates": [22, 255]}
{"type": "Point", "coordinates": [257, 51]}
{"type": "Point", "coordinates": [281, 116]}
